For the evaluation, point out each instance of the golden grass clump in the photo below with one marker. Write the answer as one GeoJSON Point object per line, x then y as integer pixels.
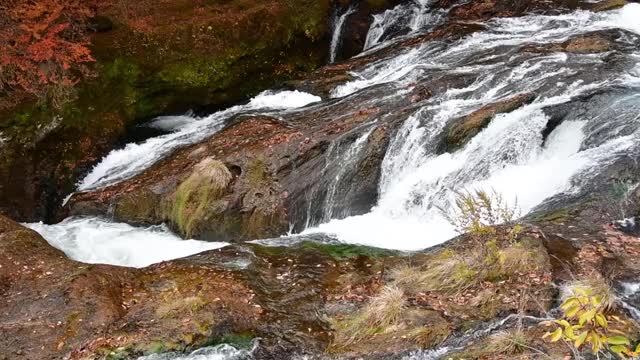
{"type": "Point", "coordinates": [381, 314]}
{"type": "Point", "coordinates": [196, 196]}
{"type": "Point", "coordinates": [508, 342]}
{"type": "Point", "coordinates": [450, 274]}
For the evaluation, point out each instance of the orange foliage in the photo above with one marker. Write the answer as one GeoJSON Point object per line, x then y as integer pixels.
{"type": "Point", "coordinates": [43, 46]}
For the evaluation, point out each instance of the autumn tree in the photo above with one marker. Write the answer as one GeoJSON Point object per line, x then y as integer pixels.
{"type": "Point", "coordinates": [43, 48]}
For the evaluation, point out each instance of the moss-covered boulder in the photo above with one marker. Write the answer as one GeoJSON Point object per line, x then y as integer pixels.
{"type": "Point", "coordinates": [154, 58]}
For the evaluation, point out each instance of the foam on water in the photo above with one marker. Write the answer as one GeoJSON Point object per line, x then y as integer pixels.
{"type": "Point", "coordinates": [533, 29]}
{"type": "Point", "coordinates": [129, 161]}
{"type": "Point", "coordinates": [405, 18]}
{"type": "Point", "coordinates": [220, 352]}
{"type": "Point", "coordinates": [97, 241]}
{"type": "Point", "coordinates": [172, 122]}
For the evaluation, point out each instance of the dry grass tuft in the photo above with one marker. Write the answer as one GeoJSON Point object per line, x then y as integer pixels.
{"type": "Point", "coordinates": [507, 342]}
{"type": "Point", "coordinates": [382, 313]}
{"type": "Point", "coordinates": [197, 194]}
{"type": "Point", "coordinates": [451, 274]}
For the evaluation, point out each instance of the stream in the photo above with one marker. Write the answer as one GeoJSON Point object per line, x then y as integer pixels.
{"type": "Point", "coordinates": [524, 154]}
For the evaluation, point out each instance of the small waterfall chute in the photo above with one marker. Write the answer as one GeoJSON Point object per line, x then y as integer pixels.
{"type": "Point", "coordinates": [338, 29]}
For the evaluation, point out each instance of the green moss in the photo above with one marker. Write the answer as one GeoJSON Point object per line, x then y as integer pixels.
{"type": "Point", "coordinates": [336, 251]}
{"type": "Point", "coordinates": [558, 216]}
{"type": "Point", "coordinates": [257, 173]}
{"type": "Point", "coordinates": [345, 251]}
{"type": "Point", "coordinates": [121, 353]}
{"type": "Point", "coordinates": [377, 4]}
{"type": "Point", "coordinates": [159, 346]}
{"type": "Point", "coordinates": [139, 208]}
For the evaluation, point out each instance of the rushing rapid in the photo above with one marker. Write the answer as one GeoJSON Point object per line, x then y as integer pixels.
{"type": "Point", "coordinates": [97, 241]}
{"type": "Point", "coordinates": [511, 155]}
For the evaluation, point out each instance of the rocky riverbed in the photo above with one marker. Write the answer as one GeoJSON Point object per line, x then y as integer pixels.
{"type": "Point", "coordinates": [321, 208]}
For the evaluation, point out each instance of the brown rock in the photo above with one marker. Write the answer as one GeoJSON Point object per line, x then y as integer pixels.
{"type": "Point", "coordinates": [463, 129]}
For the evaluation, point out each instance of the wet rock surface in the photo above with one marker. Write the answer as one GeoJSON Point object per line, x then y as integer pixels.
{"type": "Point", "coordinates": [282, 295]}
{"type": "Point", "coordinates": [307, 298]}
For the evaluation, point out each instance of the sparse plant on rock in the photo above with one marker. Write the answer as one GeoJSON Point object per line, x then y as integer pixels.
{"type": "Point", "coordinates": [478, 212]}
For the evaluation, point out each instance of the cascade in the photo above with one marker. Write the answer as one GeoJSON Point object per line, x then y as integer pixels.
{"type": "Point", "coordinates": [510, 155]}
{"type": "Point", "coordinates": [338, 28]}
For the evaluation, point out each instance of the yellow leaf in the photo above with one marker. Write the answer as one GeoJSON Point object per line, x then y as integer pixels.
{"type": "Point", "coordinates": [618, 340]}
{"type": "Point", "coordinates": [570, 302]}
{"type": "Point", "coordinates": [595, 342]}
{"type": "Point", "coordinates": [601, 320]}
{"type": "Point", "coordinates": [568, 333]}
{"type": "Point", "coordinates": [580, 340]}
{"type": "Point", "coordinates": [587, 316]}
{"type": "Point", "coordinates": [564, 323]}
{"type": "Point", "coordinates": [619, 350]}
{"type": "Point", "coordinates": [596, 301]}
{"type": "Point", "coordinates": [556, 335]}
{"type": "Point", "coordinates": [571, 312]}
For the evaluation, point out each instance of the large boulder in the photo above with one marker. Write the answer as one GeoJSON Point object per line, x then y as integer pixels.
{"type": "Point", "coordinates": [259, 177]}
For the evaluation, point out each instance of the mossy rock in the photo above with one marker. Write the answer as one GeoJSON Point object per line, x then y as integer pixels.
{"type": "Point", "coordinates": [212, 59]}
{"type": "Point", "coordinates": [198, 197]}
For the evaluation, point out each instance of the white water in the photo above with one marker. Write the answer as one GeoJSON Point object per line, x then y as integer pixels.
{"type": "Point", "coordinates": [97, 241]}
{"type": "Point", "coordinates": [404, 18]}
{"type": "Point", "coordinates": [338, 29]}
{"type": "Point", "coordinates": [220, 352]}
{"type": "Point", "coordinates": [125, 163]}
{"type": "Point", "coordinates": [509, 156]}
{"type": "Point", "coordinates": [408, 67]}
{"type": "Point", "coordinates": [344, 162]}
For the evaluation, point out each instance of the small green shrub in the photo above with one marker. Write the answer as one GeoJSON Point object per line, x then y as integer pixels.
{"type": "Point", "coordinates": [585, 322]}
{"type": "Point", "coordinates": [478, 212]}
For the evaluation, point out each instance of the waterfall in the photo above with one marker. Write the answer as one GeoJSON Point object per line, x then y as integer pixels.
{"type": "Point", "coordinates": [510, 155]}
{"type": "Point", "coordinates": [338, 28]}
{"type": "Point", "coordinates": [344, 162]}
{"type": "Point", "coordinates": [405, 18]}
